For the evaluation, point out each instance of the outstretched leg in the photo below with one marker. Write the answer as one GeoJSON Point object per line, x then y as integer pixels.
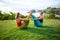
{"type": "Point", "coordinates": [25, 23]}
{"type": "Point", "coordinates": [37, 22]}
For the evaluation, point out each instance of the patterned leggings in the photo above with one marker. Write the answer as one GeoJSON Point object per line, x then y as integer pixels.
{"type": "Point", "coordinates": [37, 22]}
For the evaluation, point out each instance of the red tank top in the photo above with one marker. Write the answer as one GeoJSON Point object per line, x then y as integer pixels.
{"type": "Point", "coordinates": [18, 22]}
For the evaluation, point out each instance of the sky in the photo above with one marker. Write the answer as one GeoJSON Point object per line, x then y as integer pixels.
{"type": "Point", "coordinates": [26, 5]}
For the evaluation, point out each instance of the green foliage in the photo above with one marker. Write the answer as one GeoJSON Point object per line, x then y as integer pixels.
{"type": "Point", "coordinates": [12, 16]}
{"type": "Point", "coordinates": [7, 16]}
{"type": "Point", "coordinates": [22, 16]}
{"type": "Point", "coordinates": [57, 17]}
{"type": "Point", "coordinates": [52, 10]}
{"type": "Point", "coordinates": [1, 15]}
{"type": "Point", "coordinates": [50, 16]}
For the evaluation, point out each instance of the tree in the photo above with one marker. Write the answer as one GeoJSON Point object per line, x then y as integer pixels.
{"type": "Point", "coordinates": [1, 15]}
{"type": "Point", "coordinates": [5, 16]}
{"type": "Point", "coordinates": [12, 16]}
{"type": "Point", "coordinates": [53, 10]}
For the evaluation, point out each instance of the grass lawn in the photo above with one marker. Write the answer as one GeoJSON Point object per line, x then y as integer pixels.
{"type": "Point", "coordinates": [49, 31]}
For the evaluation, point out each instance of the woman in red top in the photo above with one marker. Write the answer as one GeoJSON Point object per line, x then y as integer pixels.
{"type": "Point", "coordinates": [19, 21]}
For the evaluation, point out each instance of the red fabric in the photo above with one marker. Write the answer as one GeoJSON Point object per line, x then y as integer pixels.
{"type": "Point", "coordinates": [18, 23]}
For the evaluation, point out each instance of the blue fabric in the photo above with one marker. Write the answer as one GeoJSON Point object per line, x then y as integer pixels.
{"type": "Point", "coordinates": [37, 22]}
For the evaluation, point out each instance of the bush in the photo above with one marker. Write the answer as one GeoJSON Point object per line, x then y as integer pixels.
{"type": "Point", "coordinates": [57, 17]}
{"type": "Point", "coordinates": [22, 16]}
{"type": "Point", "coordinates": [50, 16]}
{"type": "Point", "coordinates": [5, 16]}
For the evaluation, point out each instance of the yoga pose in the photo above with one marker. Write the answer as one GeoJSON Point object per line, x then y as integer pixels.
{"type": "Point", "coordinates": [19, 20]}
{"type": "Point", "coordinates": [38, 20]}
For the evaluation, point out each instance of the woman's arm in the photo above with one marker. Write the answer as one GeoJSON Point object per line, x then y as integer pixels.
{"type": "Point", "coordinates": [23, 19]}
{"type": "Point", "coordinates": [39, 18]}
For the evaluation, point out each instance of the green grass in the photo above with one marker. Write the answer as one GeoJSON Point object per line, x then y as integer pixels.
{"type": "Point", "coordinates": [49, 31]}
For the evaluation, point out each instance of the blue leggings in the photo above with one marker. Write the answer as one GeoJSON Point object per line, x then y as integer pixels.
{"type": "Point", "coordinates": [37, 22]}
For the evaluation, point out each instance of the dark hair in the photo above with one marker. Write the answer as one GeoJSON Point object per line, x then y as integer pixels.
{"type": "Point", "coordinates": [41, 12]}
{"type": "Point", "coordinates": [17, 15]}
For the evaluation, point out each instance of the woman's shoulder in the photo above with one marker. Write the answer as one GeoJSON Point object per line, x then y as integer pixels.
{"type": "Point", "coordinates": [17, 18]}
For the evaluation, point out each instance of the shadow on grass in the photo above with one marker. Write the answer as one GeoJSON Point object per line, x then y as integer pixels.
{"type": "Point", "coordinates": [51, 32]}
